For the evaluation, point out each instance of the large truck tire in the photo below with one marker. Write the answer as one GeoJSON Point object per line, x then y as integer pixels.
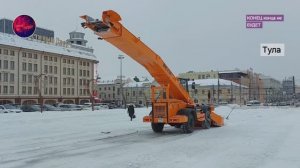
{"type": "Point", "coordinates": [207, 122]}
{"type": "Point", "coordinates": [189, 126]}
{"type": "Point", "coordinates": [157, 127]}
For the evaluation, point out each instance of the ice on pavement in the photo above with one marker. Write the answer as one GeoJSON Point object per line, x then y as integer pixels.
{"type": "Point", "coordinates": [251, 137]}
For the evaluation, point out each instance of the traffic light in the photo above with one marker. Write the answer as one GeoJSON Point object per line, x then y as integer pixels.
{"type": "Point", "coordinates": [193, 85]}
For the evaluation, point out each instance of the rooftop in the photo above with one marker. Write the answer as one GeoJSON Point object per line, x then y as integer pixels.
{"type": "Point", "coordinates": [15, 41]}
{"type": "Point", "coordinates": [137, 84]}
{"type": "Point", "coordinates": [231, 71]}
{"type": "Point", "coordinates": [211, 82]}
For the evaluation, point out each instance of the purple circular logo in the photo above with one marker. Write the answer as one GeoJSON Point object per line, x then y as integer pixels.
{"type": "Point", "coordinates": [24, 26]}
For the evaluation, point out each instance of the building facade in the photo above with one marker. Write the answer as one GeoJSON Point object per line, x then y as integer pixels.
{"type": "Point", "coordinates": [32, 71]}
{"type": "Point", "coordinates": [273, 89]}
{"type": "Point", "coordinates": [221, 91]}
{"type": "Point", "coordinates": [199, 75]}
{"type": "Point", "coordinates": [288, 89]}
{"type": "Point", "coordinates": [137, 93]}
{"type": "Point", "coordinates": [247, 78]}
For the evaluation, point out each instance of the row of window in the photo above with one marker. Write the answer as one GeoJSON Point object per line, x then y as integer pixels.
{"type": "Point", "coordinates": [84, 82]}
{"type": "Point", "coordinates": [48, 69]}
{"type": "Point", "coordinates": [84, 73]}
{"type": "Point", "coordinates": [49, 58]}
{"type": "Point", "coordinates": [84, 92]}
{"type": "Point", "coordinates": [108, 88]}
{"type": "Point", "coordinates": [32, 79]}
{"type": "Point", "coordinates": [68, 91]}
{"type": "Point", "coordinates": [47, 91]}
{"type": "Point", "coordinates": [68, 61]}
{"type": "Point", "coordinates": [34, 90]}
{"type": "Point", "coordinates": [29, 67]}
{"type": "Point", "coordinates": [81, 63]}
{"type": "Point", "coordinates": [46, 58]}
{"type": "Point", "coordinates": [4, 89]}
{"type": "Point", "coordinates": [214, 91]}
{"type": "Point", "coordinates": [7, 64]}
{"type": "Point", "coordinates": [107, 96]}
{"type": "Point", "coordinates": [207, 76]}
{"type": "Point", "coordinates": [29, 55]}
{"type": "Point", "coordinates": [69, 71]}
{"type": "Point", "coordinates": [4, 77]}
{"type": "Point", "coordinates": [7, 52]}
{"type": "Point", "coordinates": [69, 81]}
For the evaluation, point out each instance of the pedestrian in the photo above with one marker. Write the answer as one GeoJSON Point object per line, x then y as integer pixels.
{"type": "Point", "coordinates": [131, 111]}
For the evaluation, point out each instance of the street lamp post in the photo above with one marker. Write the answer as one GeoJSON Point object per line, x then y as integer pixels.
{"type": "Point", "coordinates": [40, 88]}
{"type": "Point", "coordinates": [91, 92]}
{"type": "Point", "coordinates": [121, 57]}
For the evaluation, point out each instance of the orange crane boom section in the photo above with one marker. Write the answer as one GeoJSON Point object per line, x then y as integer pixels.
{"type": "Point", "coordinates": [111, 30]}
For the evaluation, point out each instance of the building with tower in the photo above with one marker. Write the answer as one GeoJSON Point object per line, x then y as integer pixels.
{"type": "Point", "coordinates": [35, 70]}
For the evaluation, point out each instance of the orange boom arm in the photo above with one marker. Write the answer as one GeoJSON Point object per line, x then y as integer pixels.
{"type": "Point", "coordinates": [112, 31]}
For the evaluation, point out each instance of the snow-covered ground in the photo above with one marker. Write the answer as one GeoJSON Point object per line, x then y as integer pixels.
{"type": "Point", "coordinates": [255, 137]}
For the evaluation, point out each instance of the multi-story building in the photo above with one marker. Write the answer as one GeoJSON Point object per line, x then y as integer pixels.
{"type": "Point", "coordinates": [228, 92]}
{"type": "Point", "coordinates": [138, 93]}
{"type": "Point", "coordinates": [297, 90]}
{"type": "Point", "coordinates": [109, 91]}
{"type": "Point", "coordinates": [133, 92]}
{"type": "Point", "coordinates": [32, 71]}
{"type": "Point", "coordinates": [247, 78]}
{"type": "Point", "coordinates": [273, 89]}
{"type": "Point", "coordinates": [199, 75]}
{"type": "Point", "coordinates": [288, 88]}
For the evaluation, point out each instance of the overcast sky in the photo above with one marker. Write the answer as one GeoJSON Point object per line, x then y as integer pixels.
{"type": "Point", "coordinates": [189, 35]}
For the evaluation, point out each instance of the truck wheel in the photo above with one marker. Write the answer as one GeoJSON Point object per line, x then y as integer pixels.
{"type": "Point", "coordinates": [207, 122]}
{"type": "Point", "coordinates": [189, 126]}
{"type": "Point", "coordinates": [157, 127]}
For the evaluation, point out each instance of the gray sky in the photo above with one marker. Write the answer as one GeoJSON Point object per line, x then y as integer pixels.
{"type": "Point", "coordinates": [189, 35]}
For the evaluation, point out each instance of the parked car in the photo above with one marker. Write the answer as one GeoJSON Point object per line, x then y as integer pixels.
{"type": "Point", "coordinates": [282, 104]}
{"type": "Point", "coordinates": [18, 106]}
{"type": "Point", "coordinates": [112, 106]}
{"type": "Point", "coordinates": [48, 107]}
{"type": "Point", "coordinates": [7, 108]}
{"type": "Point", "coordinates": [253, 103]}
{"type": "Point", "coordinates": [30, 108]}
{"type": "Point", "coordinates": [99, 106]}
{"type": "Point", "coordinates": [69, 107]}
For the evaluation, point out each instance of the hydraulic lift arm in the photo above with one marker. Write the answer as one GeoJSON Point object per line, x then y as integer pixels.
{"type": "Point", "coordinates": [111, 30]}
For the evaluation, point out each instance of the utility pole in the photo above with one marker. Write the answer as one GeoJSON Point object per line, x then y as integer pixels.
{"type": "Point", "coordinates": [218, 89]}
{"type": "Point", "coordinates": [213, 93]}
{"type": "Point", "coordinates": [240, 93]}
{"type": "Point", "coordinates": [92, 91]}
{"type": "Point", "coordinates": [39, 78]}
{"type": "Point", "coordinates": [294, 91]}
{"type": "Point", "coordinates": [231, 91]}
{"type": "Point", "coordinates": [294, 87]}
{"type": "Point", "coordinates": [121, 57]}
